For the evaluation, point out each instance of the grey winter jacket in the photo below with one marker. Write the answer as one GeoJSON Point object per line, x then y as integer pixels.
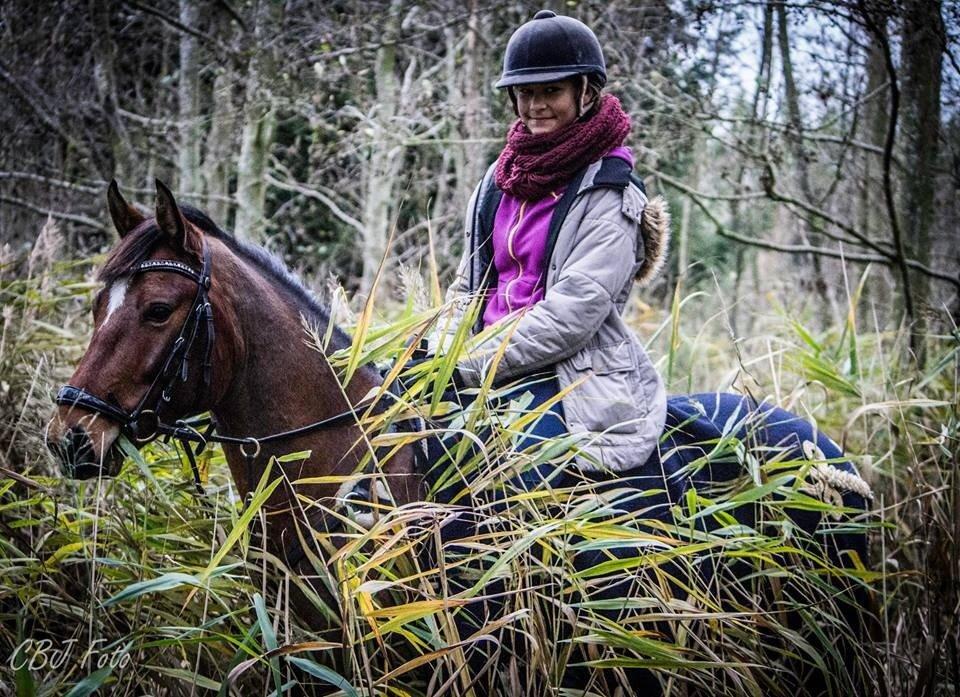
{"type": "Point", "coordinates": [607, 241]}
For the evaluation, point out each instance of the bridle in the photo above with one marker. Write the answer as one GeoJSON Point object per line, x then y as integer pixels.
{"type": "Point", "coordinates": [143, 424]}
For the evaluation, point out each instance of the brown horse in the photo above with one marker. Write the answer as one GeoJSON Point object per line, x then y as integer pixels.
{"type": "Point", "coordinates": [175, 333]}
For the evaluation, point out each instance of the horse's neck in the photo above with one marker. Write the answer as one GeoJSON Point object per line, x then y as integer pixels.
{"type": "Point", "coordinates": [280, 382]}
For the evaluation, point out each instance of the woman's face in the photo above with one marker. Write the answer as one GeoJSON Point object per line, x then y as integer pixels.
{"type": "Point", "coordinates": [545, 107]}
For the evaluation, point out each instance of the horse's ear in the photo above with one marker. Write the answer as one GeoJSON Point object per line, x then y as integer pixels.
{"type": "Point", "coordinates": [172, 223]}
{"type": "Point", "coordinates": [125, 217]}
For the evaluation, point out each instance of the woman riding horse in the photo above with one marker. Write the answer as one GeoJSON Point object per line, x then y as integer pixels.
{"type": "Point", "coordinates": [153, 359]}
{"type": "Point", "coordinates": [556, 233]}
{"type": "Point", "coordinates": [192, 320]}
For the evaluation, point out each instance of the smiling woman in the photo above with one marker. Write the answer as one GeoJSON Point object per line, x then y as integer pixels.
{"type": "Point", "coordinates": [558, 231]}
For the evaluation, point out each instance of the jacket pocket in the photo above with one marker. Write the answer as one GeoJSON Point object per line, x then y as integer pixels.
{"type": "Point", "coordinates": [606, 400]}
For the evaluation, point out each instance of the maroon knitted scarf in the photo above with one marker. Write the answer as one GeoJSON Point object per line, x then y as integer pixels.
{"type": "Point", "coordinates": [531, 166]}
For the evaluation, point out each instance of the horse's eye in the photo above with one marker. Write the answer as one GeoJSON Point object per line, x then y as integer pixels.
{"type": "Point", "coordinates": [158, 313]}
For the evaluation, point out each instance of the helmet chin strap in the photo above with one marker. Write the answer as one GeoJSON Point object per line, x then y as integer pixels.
{"type": "Point", "coordinates": [584, 109]}
{"type": "Point", "coordinates": [581, 94]}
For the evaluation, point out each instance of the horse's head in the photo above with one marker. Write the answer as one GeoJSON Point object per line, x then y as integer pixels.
{"type": "Point", "coordinates": [149, 357]}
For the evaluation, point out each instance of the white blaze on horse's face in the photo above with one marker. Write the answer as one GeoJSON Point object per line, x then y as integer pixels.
{"type": "Point", "coordinates": [116, 296]}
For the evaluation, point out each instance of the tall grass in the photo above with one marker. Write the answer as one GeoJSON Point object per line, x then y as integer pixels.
{"type": "Point", "coordinates": [151, 589]}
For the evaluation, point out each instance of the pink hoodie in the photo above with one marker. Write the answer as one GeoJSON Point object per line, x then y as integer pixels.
{"type": "Point", "coordinates": [520, 231]}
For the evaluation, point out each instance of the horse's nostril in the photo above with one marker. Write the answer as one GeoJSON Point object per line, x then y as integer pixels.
{"type": "Point", "coordinates": [77, 444]}
{"type": "Point", "coordinates": [78, 437]}
{"type": "Point", "coordinates": [77, 459]}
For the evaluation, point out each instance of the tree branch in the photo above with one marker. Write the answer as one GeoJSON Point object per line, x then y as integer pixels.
{"type": "Point", "coordinates": [97, 187]}
{"type": "Point", "coordinates": [775, 195]}
{"type": "Point", "coordinates": [71, 217]}
{"type": "Point", "coordinates": [177, 24]}
{"type": "Point", "coordinates": [41, 111]}
{"type": "Point", "coordinates": [298, 188]}
{"type": "Point", "coordinates": [859, 257]}
{"type": "Point", "coordinates": [60, 183]}
{"type": "Point", "coordinates": [888, 154]}
{"type": "Point", "coordinates": [423, 31]}
{"type": "Point", "coordinates": [676, 183]}
{"type": "Point", "coordinates": [168, 124]}
{"type": "Point", "coordinates": [772, 194]}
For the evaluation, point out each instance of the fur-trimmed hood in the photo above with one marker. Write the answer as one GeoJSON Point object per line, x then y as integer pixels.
{"type": "Point", "coordinates": [655, 232]}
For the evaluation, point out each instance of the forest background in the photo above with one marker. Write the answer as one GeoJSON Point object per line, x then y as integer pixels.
{"type": "Point", "coordinates": [793, 139]}
{"type": "Point", "coordinates": [810, 152]}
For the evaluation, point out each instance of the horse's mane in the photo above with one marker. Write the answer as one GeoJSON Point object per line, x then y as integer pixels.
{"type": "Point", "coordinates": [136, 246]}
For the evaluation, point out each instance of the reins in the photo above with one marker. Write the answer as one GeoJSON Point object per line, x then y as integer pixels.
{"type": "Point", "coordinates": [250, 446]}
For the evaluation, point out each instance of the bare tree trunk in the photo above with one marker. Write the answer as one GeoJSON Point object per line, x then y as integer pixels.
{"type": "Point", "coordinates": [469, 160]}
{"type": "Point", "coordinates": [696, 149]}
{"type": "Point", "coordinates": [875, 120]}
{"type": "Point", "coordinates": [453, 160]}
{"type": "Point", "coordinates": [922, 57]}
{"type": "Point", "coordinates": [799, 152]}
{"type": "Point", "coordinates": [473, 104]}
{"type": "Point", "coordinates": [217, 165]}
{"type": "Point", "coordinates": [683, 241]}
{"type": "Point", "coordinates": [760, 97]}
{"type": "Point", "coordinates": [259, 121]}
{"type": "Point", "coordinates": [188, 98]}
{"type": "Point", "coordinates": [104, 52]}
{"type": "Point", "coordinates": [384, 157]}
{"type": "Point", "coordinates": [876, 25]}
{"type": "Point", "coordinates": [758, 112]}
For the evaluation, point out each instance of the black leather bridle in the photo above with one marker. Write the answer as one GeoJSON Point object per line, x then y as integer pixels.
{"type": "Point", "coordinates": [143, 424]}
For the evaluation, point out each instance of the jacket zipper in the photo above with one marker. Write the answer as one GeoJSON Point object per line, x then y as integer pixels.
{"type": "Point", "coordinates": [511, 235]}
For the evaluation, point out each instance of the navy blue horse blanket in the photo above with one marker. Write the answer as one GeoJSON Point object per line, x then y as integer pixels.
{"type": "Point", "coordinates": [709, 439]}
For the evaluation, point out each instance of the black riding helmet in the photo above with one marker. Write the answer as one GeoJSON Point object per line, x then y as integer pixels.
{"type": "Point", "coordinates": [550, 48]}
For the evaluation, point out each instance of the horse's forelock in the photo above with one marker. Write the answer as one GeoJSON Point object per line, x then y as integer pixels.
{"type": "Point", "coordinates": [132, 249]}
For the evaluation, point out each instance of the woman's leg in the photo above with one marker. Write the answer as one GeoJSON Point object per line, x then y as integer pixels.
{"type": "Point", "coordinates": [480, 507]}
{"type": "Point", "coordinates": [550, 425]}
